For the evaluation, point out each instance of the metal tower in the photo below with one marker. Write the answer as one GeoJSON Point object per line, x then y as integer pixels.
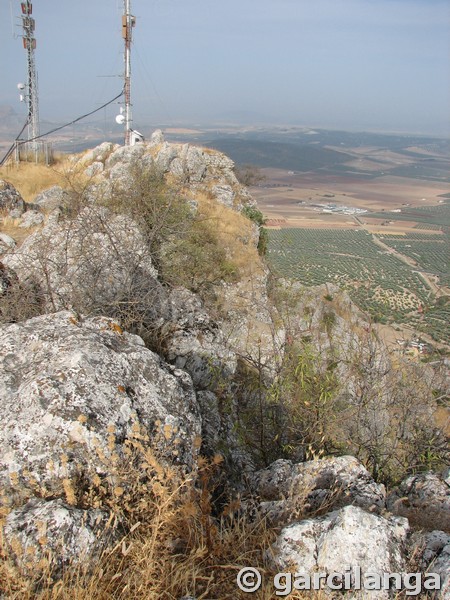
{"type": "Point", "coordinates": [128, 22]}
{"type": "Point", "coordinates": [31, 96]}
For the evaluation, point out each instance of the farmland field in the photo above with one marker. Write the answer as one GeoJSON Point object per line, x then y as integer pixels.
{"type": "Point", "coordinates": [429, 252]}
{"type": "Point", "coordinates": [376, 280]}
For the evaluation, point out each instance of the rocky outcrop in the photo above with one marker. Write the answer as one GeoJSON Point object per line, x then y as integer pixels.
{"type": "Point", "coordinates": [434, 552]}
{"type": "Point", "coordinates": [288, 490]}
{"type": "Point", "coordinates": [31, 218]}
{"type": "Point", "coordinates": [424, 499]}
{"type": "Point", "coordinates": [11, 202]}
{"type": "Point", "coordinates": [202, 169]}
{"type": "Point", "coordinates": [71, 535]}
{"type": "Point", "coordinates": [195, 343]}
{"type": "Point", "coordinates": [349, 537]}
{"type": "Point", "coordinates": [70, 388]}
{"type": "Point", "coordinates": [6, 243]}
{"type": "Point", "coordinates": [53, 198]}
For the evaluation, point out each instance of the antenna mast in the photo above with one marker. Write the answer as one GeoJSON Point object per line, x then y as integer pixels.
{"type": "Point", "coordinates": [29, 43]}
{"type": "Point", "coordinates": [128, 22]}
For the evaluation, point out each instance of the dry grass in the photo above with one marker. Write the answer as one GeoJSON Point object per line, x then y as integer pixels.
{"type": "Point", "coordinates": [234, 233]}
{"type": "Point", "coordinates": [11, 227]}
{"type": "Point", "coordinates": [31, 179]}
{"type": "Point", "coordinates": [176, 545]}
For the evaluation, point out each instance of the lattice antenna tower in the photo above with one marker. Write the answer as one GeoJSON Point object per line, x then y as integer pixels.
{"type": "Point", "coordinates": [31, 89]}
{"type": "Point", "coordinates": [128, 22]}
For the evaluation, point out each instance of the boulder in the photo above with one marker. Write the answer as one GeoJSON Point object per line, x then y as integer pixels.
{"type": "Point", "coordinates": [195, 165]}
{"type": "Point", "coordinates": [94, 169]}
{"type": "Point", "coordinates": [424, 499]}
{"type": "Point", "coordinates": [166, 155]}
{"type": "Point", "coordinates": [71, 390]}
{"type": "Point", "coordinates": [11, 202]}
{"type": "Point", "coordinates": [433, 549]}
{"type": "Point", "coordinates": [98, 154]}
{"type": "Point", "coordinates": [157, 137]}
{"type": "Point", "coordinates": [343, 539]}
{"type": "Point", "coordinates": [31, 218]}
{"type": "Point", "coordinates": [43, 534]}
{"type": "Point", "coordinates": [6, 243]}
{"type": "Point", "coordinates": [52, 198]}
{"type": "Point", "coordinates": [288, 489]}
{"type": "Point", "coordinates": [125, 155]}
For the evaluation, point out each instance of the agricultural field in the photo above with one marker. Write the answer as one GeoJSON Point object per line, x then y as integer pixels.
{"type": "Point", "coordinates": [437, 215]}
{"type": "Point", "coordinates": [430, 252]}
{"type": "Point", "coordinates": [390, 290]}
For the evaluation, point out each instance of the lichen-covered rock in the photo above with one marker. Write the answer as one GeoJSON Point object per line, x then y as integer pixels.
{"type": "Point", "coordinates": [423, 498]}
{"type": "Point", "coordinates": [349, 537]}
{"type": "Point", "coordinates": [157, 137]}
{"type": "Point", "coordinates": [7, 279]}
{"type": "Point", "coordinates": [166, 155]}
{"type": "Point", "coordinates": [98, 154]}
{"type": "Point", "coordinates": [251, 323]}
{"type": "Point", "coordinates": [52, 198]}
{"type": "Point", "coordinates": [433, 552]}
{"type": "Point", "coordinates": [10, 200]}
{"type": "Point", "coordinates": [94, 169]}
{"type": "Point", "coordinates": [67, 384]}
{"type": "Point", "coordinates": [31, 218]}
{"type": "Point", "coordinates": [287, 489]}
{"type": "Point", "coordinates": [6, 243]}
{"type": "Point", "coordinates": [124, 155]}
{"type": "Point", "coordinates": [195, 343]}
{"type": "Point", "coordinates": [224, 194]}
{"type": "Point", "coordinates": [51, 534]}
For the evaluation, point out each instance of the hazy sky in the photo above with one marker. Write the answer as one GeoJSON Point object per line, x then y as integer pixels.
{"type": "Point", "coordinates": [350, 64]}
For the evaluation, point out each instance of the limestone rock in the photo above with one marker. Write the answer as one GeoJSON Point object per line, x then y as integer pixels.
{"type": "Point", "coordinates": [434, 551]}
{"type": "Point", "coordinates": [99, 153]}
{"type": "Point", "coordinates": [165, 157]}
{"type": "Point", "coordinates": [66, 384]}
{"type": "Point", "coordinates": [7, 278]}
{"type": "Point", "coordinates": [52, 198]}
{"type": "Point", "coordinates": [288, 489]}
{"type": "Point", "coordinates": [195, 343]}
{"type": "Point", "coordinates": [6, 243]}
{"type": "Point", "coordinates": [125, 155]}
{"type": "Point", "coordinates": [71, 535]}
{"type": "Point", "coordinates": [224, 194]}
{"type": "Point", "coordinates": [349, 537]}
{"type": "Point", "coordinates": [10, 199]}
{"type": "Point", "coordinates": [94, 169]}
{"type": "Point", "coordinates": [424, 499]}
{"type": "Point", "coordinates": [31, 218]}
{"type": "Point", "coordinates": [157, 137]}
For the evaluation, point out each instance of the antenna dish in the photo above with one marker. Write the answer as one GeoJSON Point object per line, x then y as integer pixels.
{"type": "Point", "coordinates": [120, 119]}
{"type": "Point", "coordinates": [20, 86]}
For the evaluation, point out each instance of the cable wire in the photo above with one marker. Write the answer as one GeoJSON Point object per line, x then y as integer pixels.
{"type": "Point", "coordinates": [10, 151]}
{"type": "Point", "coordinates": [75, 120]}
